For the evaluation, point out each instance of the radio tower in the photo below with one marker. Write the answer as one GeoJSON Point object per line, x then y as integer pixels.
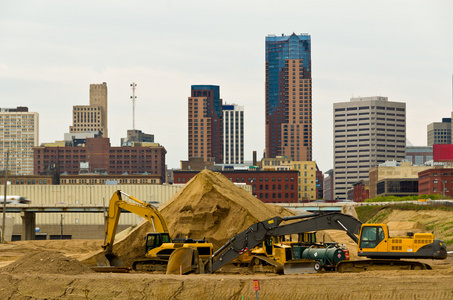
{"type": "Point", "coordinates": [133, 97]}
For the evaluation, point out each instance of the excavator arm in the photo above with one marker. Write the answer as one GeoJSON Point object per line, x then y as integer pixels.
{"type": "Point", "coordinates": [259, 232]}
{"type": "Point", "coordinates": [140, 208]}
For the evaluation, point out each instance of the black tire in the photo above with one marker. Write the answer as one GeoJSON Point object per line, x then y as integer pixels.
{"type": "Point", "coordinates": [317, 266]}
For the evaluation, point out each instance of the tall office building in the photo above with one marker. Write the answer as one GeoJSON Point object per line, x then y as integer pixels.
{"type": "Point", "coordinates": [205, 123]}
{"type": "Point", "coordinates": [288, 97]}
{"type": "Point", "coordinates": [19, 133]}
{"type": "Point", "coordinates": [367, 132]}
{"type": "Point", "coordinates": [439, 132]}
{"type": "Point", "coordinates": [233, 134]}
{"type": "Point", "coordinates": [93, 117]}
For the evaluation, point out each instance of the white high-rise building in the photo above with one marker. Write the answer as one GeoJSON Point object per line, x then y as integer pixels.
{"type": "Point", "coordinates": [233, 134]}
{"type": "Point", "coordinates": [367, 132]}
{"type": "Point", "coordinates": [19, 133]}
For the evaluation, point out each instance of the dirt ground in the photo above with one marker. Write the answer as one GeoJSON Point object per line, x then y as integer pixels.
{"type": "Point", "coordinates": [227, 283]}
{"type": "Point", "coordinates": [211, 206]}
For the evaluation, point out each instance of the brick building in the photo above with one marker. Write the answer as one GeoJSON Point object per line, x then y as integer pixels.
{"type": "Point", "coordinates": [268, 186]}
{"type": "Point", "coordinates": [436, 181]}
{"type": "Point", "coordinates": [361, 191]}
{"type": "Point", "coordinates": [97, 156]}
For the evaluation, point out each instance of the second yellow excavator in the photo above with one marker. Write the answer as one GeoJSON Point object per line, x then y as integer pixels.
{"type": "Point", "coordinates": [158, 244]}
{"type": "Point", "coordinates": [374, 243]}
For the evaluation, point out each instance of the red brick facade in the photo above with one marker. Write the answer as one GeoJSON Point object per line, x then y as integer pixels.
{"type": "Point", "coordinates": [361, 192]}
{"type": "Point", "coordinates": [435, 181]}
{"type": "Point", "coordinates": [268, 186]}
{"type": "Point", "coordinates": [103, 158]}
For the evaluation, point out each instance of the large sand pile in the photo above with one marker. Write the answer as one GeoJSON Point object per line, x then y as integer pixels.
{"type": "Point", "coordinates": [209, 206]}
{"type": "Point", "coordinates": [46, 262]}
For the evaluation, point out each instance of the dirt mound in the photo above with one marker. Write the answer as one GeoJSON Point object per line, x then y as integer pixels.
{"type": "Point", "coordinates": [437, 221]}
{"type": "Point", "coordinates": [46, 262]}
{"type": "Point", "coordinates": [402, 228]}
{"type": "Point", "coordinates": [349, 210]}
{"type": "Point", "coordinates": [280, 210]}
{"type": "Point", "coordinates": [209, 206]}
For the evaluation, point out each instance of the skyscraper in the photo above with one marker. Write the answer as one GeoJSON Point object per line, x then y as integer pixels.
{"type": "Point", "coordinates": [19, 133]}
{"type": "Point", "coordinates": [367, 132]}
{"type": "Point", "coordinates": [205, 123]}
{"type": "Point", "coordinates": [440, 132]}
{"type": "Point", "coordinates": [93, 117]}
{"type": "Point", "coordinates": [233, 134]}
{"type": "Point", "coordinates": [288, 97]}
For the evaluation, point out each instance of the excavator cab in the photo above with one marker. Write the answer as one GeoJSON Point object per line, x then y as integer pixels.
{"type": "Point", "coordinates": [375, 242]}
{"type": "Point", "coordinates": [371, 236]}
{"type": "Point", "coordinates": [308, 237]}
{"type": "Point", "coordinates": [268, 246]}
{"type": "Point", "coordinates": [156, 239]}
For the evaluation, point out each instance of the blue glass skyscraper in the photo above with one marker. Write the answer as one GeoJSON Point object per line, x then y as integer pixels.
{"type": "Point", "coordinates": [288, 97]}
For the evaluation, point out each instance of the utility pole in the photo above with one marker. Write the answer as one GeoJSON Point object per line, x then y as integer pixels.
{"type": "Point", "coordinates": [133, 85]}
{"type": "Point", "coordinates": [4, 198]}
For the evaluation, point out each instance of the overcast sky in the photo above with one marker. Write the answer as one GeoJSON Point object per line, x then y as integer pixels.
{"type": "Point", "coordinates": [51, 51]}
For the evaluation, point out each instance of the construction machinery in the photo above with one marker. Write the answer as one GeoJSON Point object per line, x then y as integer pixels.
{"type": "Point", "coordinates": [158, 244]}
{"type": "Point", "coordinates": [374, 243]}
{"type": "Point", "coordinates": [303, 255]}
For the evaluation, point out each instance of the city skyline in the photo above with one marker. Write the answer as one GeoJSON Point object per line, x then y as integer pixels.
{"type": "Point", "coordinates": [52, 51]}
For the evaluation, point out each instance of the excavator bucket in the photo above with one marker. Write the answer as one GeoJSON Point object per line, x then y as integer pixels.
{"type": "Point", "coordinates": [299, 266]}
{"type": "Point", "coordinates": [109, 260]}
{"type": "Point", "coordinates": [183, 261]}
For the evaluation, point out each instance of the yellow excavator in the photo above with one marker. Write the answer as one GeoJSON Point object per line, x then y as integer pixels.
{"type": "Point", "coordinates": [158, 244]}
{"type": "Point", "coordinates": [380, 251]}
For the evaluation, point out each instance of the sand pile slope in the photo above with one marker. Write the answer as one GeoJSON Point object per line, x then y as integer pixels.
{"type": "Point", "coordinates": [211, 206]}
{"type": "Point", "coordinates": [437, 221]}
{"type": "Point", "coordinates": [46, 262]}
{"type": "Point", "coordinates": [402, 228]}
{"type": "Point", "coordinates": [129, 248]}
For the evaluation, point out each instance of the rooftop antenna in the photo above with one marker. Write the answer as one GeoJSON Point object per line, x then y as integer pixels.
{"type": "Point", "coordinates": [133, 97]}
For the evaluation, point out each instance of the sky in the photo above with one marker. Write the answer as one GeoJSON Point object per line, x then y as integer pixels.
{"type": "Point", "coordinates": [51, 51]}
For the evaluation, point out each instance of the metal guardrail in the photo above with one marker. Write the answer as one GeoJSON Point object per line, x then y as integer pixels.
{"type": "Point", "coordinates": [15, 208]}
{"type": "Point", "coordinates": [340, 204]}
{"type": "Point", "coordinates": [414, 202]}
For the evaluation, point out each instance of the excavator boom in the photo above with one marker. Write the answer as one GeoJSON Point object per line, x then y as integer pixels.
{"type": "Point", "coordinates": [259, 232]}
{"type": "Point", "coordinates": [158, 246]}
{"type": "Point", "coordinates": [145, 210]}
{"type": "Point", "coordinates": [373, 242]}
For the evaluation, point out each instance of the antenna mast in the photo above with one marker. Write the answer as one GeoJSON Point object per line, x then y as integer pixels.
{"type": "Point", "coordinates": [133, 97]}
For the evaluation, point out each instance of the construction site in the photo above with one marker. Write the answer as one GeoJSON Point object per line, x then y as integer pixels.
{"type": "Point", "coordinates": [227, 244]}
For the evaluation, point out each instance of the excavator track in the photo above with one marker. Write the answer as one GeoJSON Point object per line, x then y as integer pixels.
{"type": "Point", "coordinates": [379, 264]}
{"type": "Point", "coordinates": [263, 264]}
{"type": "Point", "coordinates": [110, 269]}
{"type": "Point", "coordinates": [150, 265]}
